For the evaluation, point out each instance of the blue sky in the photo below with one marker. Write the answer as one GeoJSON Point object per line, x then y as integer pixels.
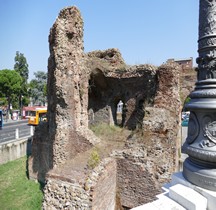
{"type": "Point", "coordinates": [145, 31]}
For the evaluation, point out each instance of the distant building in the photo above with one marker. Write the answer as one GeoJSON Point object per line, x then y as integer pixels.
{"type": "Point", "coordinates": [185, 64]}
{"type": "Point", "coordinates": [120, 107]}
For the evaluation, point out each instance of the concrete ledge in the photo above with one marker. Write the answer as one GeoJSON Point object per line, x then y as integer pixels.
{"type": "Point", "coordinates": [164, 202]}
{"type": "Point", "coordinates": [178, 178]}
{"type": "Point", "coordinates": [180, 194]}
{"type": "Point", "coordinates": [15, 149]}
{"type": "Point", "coordinates": [187, 197]}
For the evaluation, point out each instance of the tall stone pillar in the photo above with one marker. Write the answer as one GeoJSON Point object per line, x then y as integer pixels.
{"type": "Point", "coordinates": [200, 167]}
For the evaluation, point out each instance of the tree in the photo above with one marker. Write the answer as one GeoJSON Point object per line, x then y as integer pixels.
{"type": "Point", "coordinates": [21, 66]}
{"type": "Point", "coordinates": [38, 87]}
{"type": "Point", "coordinates": [10, 84]}
{"type": "Point", "coordinates": [187, 100]}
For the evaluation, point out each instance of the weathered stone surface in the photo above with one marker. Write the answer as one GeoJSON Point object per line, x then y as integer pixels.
{"type": "Point", "coordinates": [84, 89]}
{"type": "Point", "coordinates": [151, 157]}
{"type": "Point", "coordinates": [188, 81]}
{"type": "Point", "coordinates": [66, 132]}
{"type": "Point", "coordinates": [67, 84]}
{"type": "Point", "coordinates": [97, 191]}
{"type": "Point", "coordinates": [64, 195]}
{"type": "Point", "coordinates": [135, 86]}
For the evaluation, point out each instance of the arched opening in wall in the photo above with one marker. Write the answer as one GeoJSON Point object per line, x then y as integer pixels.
{"type": "Point", "coordinates": [97, 83]}
{"type": "Point", "coordinates": [98, 110]}
{"type": "Point", "coordinates": [120, 113]}
{"type": "Point", "coordinates": [140, 114]}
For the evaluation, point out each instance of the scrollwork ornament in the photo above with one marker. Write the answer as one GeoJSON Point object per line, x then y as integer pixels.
{"type": "Point", "coordinates": [207, 42]}
{"type": "Point", "coordinates": [205, 121]}
{"type": "Point", "coordinates": [210, 133]}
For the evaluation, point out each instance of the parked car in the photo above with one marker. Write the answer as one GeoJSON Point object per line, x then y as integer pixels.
{"type": "Point", "coordinates": [185, 115]}
{"type": "Point", "coordinates": [185, 122]}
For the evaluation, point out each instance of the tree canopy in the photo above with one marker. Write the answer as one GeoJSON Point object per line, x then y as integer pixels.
{"type": "Point", "coordinates": [38, 87]}
{"type": "Point", "coordinates": [10, 84]}
{"type": "Point", "coordinates": [15, 88]}
{"type": "Point", "coordinates": [21, 66]}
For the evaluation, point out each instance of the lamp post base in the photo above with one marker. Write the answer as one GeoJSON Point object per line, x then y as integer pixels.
{"type": "Point", "coordinates": [200, 175]}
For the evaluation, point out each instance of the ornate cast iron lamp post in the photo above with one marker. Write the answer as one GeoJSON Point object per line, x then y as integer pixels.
{"type": "Point", "coordinates": [200, 167]}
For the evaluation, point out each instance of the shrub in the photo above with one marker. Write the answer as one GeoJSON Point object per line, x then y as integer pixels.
{"type": "Point", "coordinates": [94, 159]}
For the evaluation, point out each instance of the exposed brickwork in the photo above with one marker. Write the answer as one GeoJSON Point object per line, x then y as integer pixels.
{"type": "Point", "coordinates": [96, 191]}
{"type": "Point", "coordinates": [104, 192]}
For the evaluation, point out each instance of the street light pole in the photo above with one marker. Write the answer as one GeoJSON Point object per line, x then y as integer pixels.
{"type": "Point", "coordinates": [200, 167]}
{"type": "Point", "coordinates": [21, 106]}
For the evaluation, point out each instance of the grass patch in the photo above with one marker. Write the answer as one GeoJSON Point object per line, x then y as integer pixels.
{"type": "Point", "coordinates": [16, 191]}
{"type": "Point", "coordinates": [104, 129]}
{"type": "Point", "coordinates": [112, 138]}
{"type": "Point", "coordinates": [94, 159]}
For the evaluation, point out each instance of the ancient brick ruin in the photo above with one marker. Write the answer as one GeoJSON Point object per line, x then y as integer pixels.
{"type": "Point", "coordinates": [84, 90]}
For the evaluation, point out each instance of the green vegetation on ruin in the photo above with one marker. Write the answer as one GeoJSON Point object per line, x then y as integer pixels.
{"type": "Point", "coordinates": [17, 192]}
{"type": "Point", "coordinates": [112, 138]}
{"type": "Point", "coordinates": [105, 130]}
{"type": "Point", "coordinates": [94, 159]}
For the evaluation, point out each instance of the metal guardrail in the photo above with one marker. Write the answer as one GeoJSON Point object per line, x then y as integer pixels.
{"type": "Point", "coordinates": [16, 134]}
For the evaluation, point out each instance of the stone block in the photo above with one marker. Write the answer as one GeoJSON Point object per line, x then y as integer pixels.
{"type": "Point", "coordinates": [187, 197]}
{"type": "Point", "coordinates": [210, 195]}
{"type": "Point", "coordinates": [163, 203]}
{"type": "Point", "coordinates": [178, 178]}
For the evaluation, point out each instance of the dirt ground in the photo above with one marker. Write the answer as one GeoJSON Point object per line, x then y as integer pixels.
{"type": "Point", "coordinates": [78, 168]}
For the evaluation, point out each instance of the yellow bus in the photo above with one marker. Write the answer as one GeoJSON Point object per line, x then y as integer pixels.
{"type": "Point", "coordinates": [36, 116]}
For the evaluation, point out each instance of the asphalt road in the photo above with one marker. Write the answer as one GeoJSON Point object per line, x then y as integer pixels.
{"type": "Point", "coordinates": [8, 131]}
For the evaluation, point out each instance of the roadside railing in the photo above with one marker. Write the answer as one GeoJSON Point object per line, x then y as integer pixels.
{"type": "Point", "coordinates": [15, 143]}
{"type": "Point", "coordinates": [16, 134]}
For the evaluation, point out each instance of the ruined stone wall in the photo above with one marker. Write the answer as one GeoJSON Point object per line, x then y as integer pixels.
{"type": "Point", "coordinates": [97, 190]}
{"type": "Point", "coordinates": [152, 101]}
{"type": "Point", "coordinates": [67, 94]}
{"type": "Point", "coordinates": [66, 132]}
{"type": "Point", "coordinates": [41, 160]}
{"type": "Point", "coordinates": [104, 191]}
{"type": "Point", "coordinates": [188, 80]}
{"type": "Point", "coordinates": [82, 85]}
{"type": "Point", "coordinates": [136, 181]}
{"type": "Point", "coordinates": [151, 156]}
{"type": "Point", "coordinates": [135, 86]}
{"type": "Point", "coordinates": [60, 194]}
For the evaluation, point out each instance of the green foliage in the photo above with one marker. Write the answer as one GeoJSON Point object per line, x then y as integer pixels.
{"type": "Point", "coordinates": [15, 102]}
{"type": "Point", "coordinates": [16, 191]}
{"type": "Point", "coordinates": [94, 159]}
{"type": "Point", "coordinates": [104, 129]}
{"type": "Point", "coordinates": [3, 101]}
{"type": "Point", "coordinates": [21, 66]}
{"type": "Point", "coordinates": [10, 84]}
{"type": "Point", "coordinates": [25, 101]}
{"type": "Point", "coordinates": [187, 100]}
{"type": "Point", "coordinates": [38, 87]}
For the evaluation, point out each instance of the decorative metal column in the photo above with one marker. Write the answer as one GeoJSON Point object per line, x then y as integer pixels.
{"type": "Point", "coordinates": [200, 167]}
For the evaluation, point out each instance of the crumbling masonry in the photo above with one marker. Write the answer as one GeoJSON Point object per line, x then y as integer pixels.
{"type": "Point", "coordinates": [83, 90]}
